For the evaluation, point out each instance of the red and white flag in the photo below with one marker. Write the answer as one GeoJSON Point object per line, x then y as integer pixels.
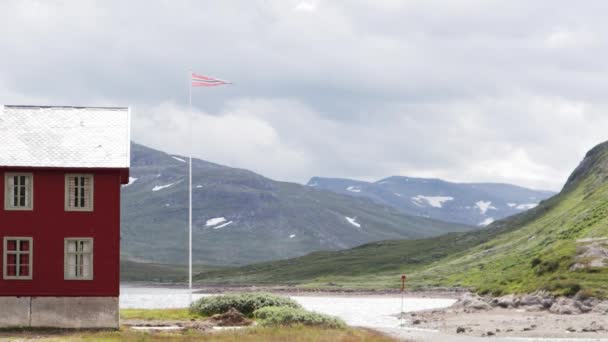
{"type": "Point", "coordinates": [206, 81]}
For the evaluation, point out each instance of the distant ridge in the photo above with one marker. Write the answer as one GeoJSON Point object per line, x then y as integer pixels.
{"type": "Point", "coordinates": [477, 204]}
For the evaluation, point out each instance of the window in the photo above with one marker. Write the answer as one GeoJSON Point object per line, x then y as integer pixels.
{"type": "Point", "coordinates": [78, 192]}
{"type": "Point", "coordinates": [18, 194]}
{"type": "Point", "coordinates": [17, 258]}
{"type": "Point", "coordinates": [78, 259]}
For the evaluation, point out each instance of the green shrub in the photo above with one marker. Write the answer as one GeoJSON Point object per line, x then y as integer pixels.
{"type": "Point", "coordinates": [564, 288]}
{"type": "Point", "coordinates": [286, 316]}
{"type": "Point", "coordinates": [246, 303]}
{"type": "Point", "coordinates": [547, 266]}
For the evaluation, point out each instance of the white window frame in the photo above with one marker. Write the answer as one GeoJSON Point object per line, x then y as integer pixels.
{"type": "Point", "coordinates": [70, 206]}
{"type": "Point", "coordinates": [8, 191]}
{"type": "Point", "coordinates": [66, 241]}
{"type": "Point", "coordinates": [5, 253]}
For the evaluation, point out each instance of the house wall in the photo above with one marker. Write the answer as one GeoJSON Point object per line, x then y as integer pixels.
{"type": "Point", "coordinates": [48, 224]}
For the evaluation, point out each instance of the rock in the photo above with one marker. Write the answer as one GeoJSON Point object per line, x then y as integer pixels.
{"type": "Point", "coordinates": [566, 306]}
{"type": "Point", "coordinates": [534, 308]}
{"type": "Point", "coordinates": [460, 330]}
{"type": "Point", "coordinates": [601, 308]}
{"type": "Point", "coordinates": [416, 322]}
{"type": "Point", "coordinates": [547, 302]}
{"type": "Point", "coordinates": [472, 302]}
{"type": "Point", "coordinates": [570, 329]}
{"type": "Point", "coordinates": [490, 333]}
{"type": "Point", "coordinates": [531, 299]}
{"type": "Point", "coordinates": [506, 301]}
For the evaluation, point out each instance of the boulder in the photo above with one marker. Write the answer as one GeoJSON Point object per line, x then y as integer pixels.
{"type": "Point", "coordinates": [566, 306]}
{"type": "Point", "coordinates": [472, 302]}
{"type": "Point", "coordinates": [601, 308]}
{"type": "Point", "coordinates": [507, 301]}
{"type": "Point", "coordinates": [530, 300]}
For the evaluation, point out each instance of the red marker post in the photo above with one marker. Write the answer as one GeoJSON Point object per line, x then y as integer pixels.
{"type": "Point", "coordinates": [403, 279]}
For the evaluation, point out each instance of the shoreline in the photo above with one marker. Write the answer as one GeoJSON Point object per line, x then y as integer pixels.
{"type": "Point", "coordinates": [452, 293]}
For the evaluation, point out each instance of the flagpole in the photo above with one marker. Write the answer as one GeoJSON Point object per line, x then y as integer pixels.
{"type": "Point", "coordinates": [190, 184]}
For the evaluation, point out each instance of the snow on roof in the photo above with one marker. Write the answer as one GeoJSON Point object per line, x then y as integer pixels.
{"type": "Point", "coordinates": [67, 137]}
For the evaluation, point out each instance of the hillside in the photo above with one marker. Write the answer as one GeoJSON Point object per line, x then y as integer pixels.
{"type": "Point", "coordinates": [477, 204]}
{"type": "Point", "coordinates": [561, 245]}
{"type": "Point", "coordinates": [237, 213]}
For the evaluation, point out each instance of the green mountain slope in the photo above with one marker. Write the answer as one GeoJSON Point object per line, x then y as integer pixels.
{"type": "Point", "coordinates": [556, 246]}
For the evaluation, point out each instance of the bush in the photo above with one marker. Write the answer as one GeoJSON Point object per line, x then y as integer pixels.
{"type": "Point", "coordinates": [246, 303]}
{"type": "Point", "coordinates": [563, 288]}
{"type": "Point", "coordinates": [548, 266]}
{"type": "Point", "coordinates": [286, 316]}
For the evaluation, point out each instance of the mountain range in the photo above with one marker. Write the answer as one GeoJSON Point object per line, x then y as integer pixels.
{"type": "Point", "coordinates": [559, 246]}
{"type": "Point", "coordinates": [477, 204]}
{"type": "Point", "coordinates": [240, 217]}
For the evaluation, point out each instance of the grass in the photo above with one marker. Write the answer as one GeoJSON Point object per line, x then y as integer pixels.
{"type": "Point", "coordinates": [296, 334]}
{"type": "Point", "coordinates": [154, 272]}
{"type": "Point", "coordinates": [159, 314]}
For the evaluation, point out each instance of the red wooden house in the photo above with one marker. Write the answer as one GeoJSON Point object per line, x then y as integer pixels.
{"type": "Point", "coordinates": [61, 172]}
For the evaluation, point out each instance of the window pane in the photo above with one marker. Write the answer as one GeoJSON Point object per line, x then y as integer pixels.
{"type": "Point", "coordinates": [24, 259]}
{"type": "Point", "coordinates": [11, 270]}
{"type": "Point", "coordinates": [24, 245]}
{"type": "Point", "coordinates": [71, 267]}
{"type": "Point", "coordinates": [11, 245]}
{"type": "Point", "coordinates": [11, 259]}
{"type": "Point", "coordinates": [24, 270]}
{"type": "Point", "coordinates": [15, 196]}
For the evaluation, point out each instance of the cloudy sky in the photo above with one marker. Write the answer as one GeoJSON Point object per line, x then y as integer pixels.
{"type": "Point", "coordinates": [465, 90]}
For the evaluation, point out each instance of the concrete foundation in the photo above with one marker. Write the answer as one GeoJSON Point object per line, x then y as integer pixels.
{"type": "Point", "coordinates": [59, 312]}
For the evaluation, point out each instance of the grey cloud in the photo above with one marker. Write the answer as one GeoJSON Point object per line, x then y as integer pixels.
{"type": "Point", "coordinates": [466, 90]}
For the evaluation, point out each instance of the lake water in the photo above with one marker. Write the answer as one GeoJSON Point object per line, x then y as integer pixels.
{"type": "Point", "coordinates": [365, 311]}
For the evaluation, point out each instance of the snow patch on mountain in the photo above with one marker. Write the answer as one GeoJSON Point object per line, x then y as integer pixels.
{"type": "Point", "coordinates": [486, 222]}
{"type": "Point", "coordinates": [526, 206]}
{"type": "Point", "coordinates": [178, 159]}
{"type": "Point", "coordinates": [353, 188]}
{"type": "Point", "coordinates": [223, 225]}
{"type": "Point", "coordinates": [484, 206]}
{"type": "Point", "coordinates": [131, 181]}
{"type": "Point", "coordinates": [353, 221]}
{"type": "Point", "coordinates": [433, 201]}
{"type": "Point", "coordinates": [215, 221]}
{"type": "Point", "coordinates": [292, 236]}
{"type": "Point", "coordinates": [512, 205]}
{"type": "Point", "coordinates": [160, 187]}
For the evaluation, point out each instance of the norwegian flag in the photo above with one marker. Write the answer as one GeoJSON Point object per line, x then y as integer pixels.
{"type": "Point", "coordinates": [206, 81]}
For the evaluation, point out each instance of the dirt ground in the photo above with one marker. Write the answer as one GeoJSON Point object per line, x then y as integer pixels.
{"type": "Point", "coordinates": [512, 322]}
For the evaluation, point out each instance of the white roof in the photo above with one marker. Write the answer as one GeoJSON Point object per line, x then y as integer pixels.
{"type": "Point", "coordinates": [66, 137]}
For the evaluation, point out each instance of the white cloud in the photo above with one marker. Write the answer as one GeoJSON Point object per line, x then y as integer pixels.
{"type": "Point", "coordinates": [306, 6]}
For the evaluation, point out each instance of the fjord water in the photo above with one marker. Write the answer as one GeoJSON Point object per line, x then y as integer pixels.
{"type": "Point", "coordinates": [365, 311]}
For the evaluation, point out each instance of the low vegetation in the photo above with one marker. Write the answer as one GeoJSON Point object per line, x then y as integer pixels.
{"type": "Point", "coordinates": [159, 314]}
{"type": "Point", "coordinates": [270, 334]}
{"type": "Point", "coordinates": [245, 303]}
{"type": "Point", "coordinates": [287, 316]}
